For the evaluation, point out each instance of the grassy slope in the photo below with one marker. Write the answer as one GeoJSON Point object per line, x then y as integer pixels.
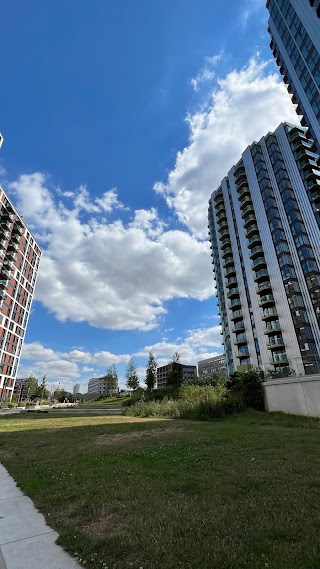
{"type": "Point", "coordinates": [119, 400]}
{"type": "Point", "coordinates": [237, 494]}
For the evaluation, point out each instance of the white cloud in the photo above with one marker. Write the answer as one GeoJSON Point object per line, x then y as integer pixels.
{"type": "Point", "coordinates": [199, 344]}
{"type": "Point", "coordinates": [206, 74]}
{"type": "Point", "coordinates": [244, 106]}
{"type": "Point", "coordinates": [111, 275]}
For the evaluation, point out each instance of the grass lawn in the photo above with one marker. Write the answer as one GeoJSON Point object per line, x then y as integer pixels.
{"type": "Point", "coordinates": [242, 493]}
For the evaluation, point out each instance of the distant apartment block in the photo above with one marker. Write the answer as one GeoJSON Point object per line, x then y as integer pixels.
{"type": "Point", "coordinates": [294, 27]}
{"type": "Point", "coordinates": [98, 385]}
{"type": "Point", "coordinates": [1, 139]}
{"type": "Point", "coordinates": [212, 366]}
{"type": "Point", "coordinates": [188, 374]}
{"type": "Point", "coordinates": [76, 388]}
{"type": "Point", "coordinates": [19, 391]}
{"type": "Point", "coordinates": [19, 262]}
{"type": "Point", "coordinates": [264, 226]}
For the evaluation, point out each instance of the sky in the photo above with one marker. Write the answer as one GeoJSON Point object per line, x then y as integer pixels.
{"type": "Point", "coordinates": [119, 121]}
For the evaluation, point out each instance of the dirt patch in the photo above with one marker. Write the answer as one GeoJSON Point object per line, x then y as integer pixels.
{"type": "Point", "coordinates": [109, 440]}
{"type": "Point", "coordinates": [107, 524]}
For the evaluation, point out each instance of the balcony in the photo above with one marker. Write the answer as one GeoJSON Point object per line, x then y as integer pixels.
{"type": "Point", "coordinates": [230, 272]}
{"type": "Point", "coordinates": [240, 339]}
{"type": "Point", "coordinates": [5, 225]}
{"type": "Point", "coordinates": [17, 229]}
{"type": "Point", "coordinates": [3, 294]}
{"type": "Point", "coordinates": [262, 274]}
{"type": "Point", "coordinates": [231, 282]}
{"type": "Point", "coordinates": [269, 313]}
{"type": "Point", "coordinates": [251, 230]}
{"type": "Point", "coordinates": [7, 215]}
{"type": "Point", "coordinates": [8, 264]}
{"type": "Point", "coordinates": [279, 359]}
{"type": "Point", "coordinates": [4, 283]}
{"type": "Point", "coordinates": [250, 219]}
{"type": "Point", "coordinates": [220, 209]}
{"type": "Point", "coordinates": [4, 234]}
{"type": "Point", "coordinates": [227, 252]}
{"type": "Point", "coordinates": [223, 225]}
{"type": "Point", "coordinates": [225, 243]}
{"type": "Point", "coordinates": [11, 255]}
{"type": "Point", "coordinates": [263, 287]}
{"type": "Point", "coordinates": [221, 215]}
{"type": "Point", "coordinates": [5, 272]}
{"type": "Point", "coordinates": [258, 263]}
{"type": "Point", "coordinates": [235, 303]}
{"type": "Point", "coordinates": [244, 192]}
{"type": "Point", "coordinates": [267, 299]}
{"type": "Point", "coordinates": [243, 354]}
{"type": "Point", "coordinates": [228, 263]}
{"type": "Point", "coordinates": [275, 342]}
{"type": "Point", "coordinates": [238, 327]}
{"type": "Point", "coordinates": [233, 292]}
{"type": "Point", "coordinates": [245, 200]}
{"type": "Point", "coordinates": [272, 327]}
{"type": "Point", "coordinates": [15, 237]}
{"type": "Point", "coordinates": [239, 171]}
{"type": "Point", "coordinates": [247, 209]}
{"type": "Point", "coordinates": [236, 315]}
{"type": "Point", "coordinates": [223, 234]}
{"type": "Point", "coordinates": [254, 241]}
{"type": "Point", "coordinates": [241, 182]}
{"type": "Point", "coordinates": [218, 200]}
{"type": "Point", "coordinates": [13, 246]}
{"type": "Point", "coordinates": [2, 254]}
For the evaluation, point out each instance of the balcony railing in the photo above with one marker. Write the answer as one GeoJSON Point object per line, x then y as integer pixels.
{"type": "Point", "coordinates": [279, 358]}
{"type": "Point", "coordinates": [272, 327]}
{"type": "Point", "coordinates": [266, 299]}
{"type": "Point", "coordinates": [263, 286]}
{"type": "Point", "coordinates": [261, 274]}
{"type": "Point", "coordinates": [258, 263]}
{"type": "Point", "coordinates": [236, 314]}
{"type": "Point", "coordinates": [269, 313]}
{"type": "Point", "coordinates": [275, 342]}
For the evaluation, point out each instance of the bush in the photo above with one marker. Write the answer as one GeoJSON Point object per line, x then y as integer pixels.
{"type": "Point", "coordinates": [248, 384]}
{"type": "Point", "coordinates": [233, 403]}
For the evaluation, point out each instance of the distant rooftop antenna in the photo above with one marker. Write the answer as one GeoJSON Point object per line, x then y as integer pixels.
{"type": "Point", "coordinates": [1, 139]}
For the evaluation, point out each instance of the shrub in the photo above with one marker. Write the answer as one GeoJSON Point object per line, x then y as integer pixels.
{"type": "Point", "coordinates": [233, 403]}
{"type": "Point", "coordinates": [248, 384]}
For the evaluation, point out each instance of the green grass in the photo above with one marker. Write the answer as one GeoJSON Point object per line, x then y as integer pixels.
{"type": "Point", "coordinates": [242, 493]}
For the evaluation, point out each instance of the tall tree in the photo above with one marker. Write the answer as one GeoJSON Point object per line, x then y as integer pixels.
{"type": "Point", "coordinates": [131, 375]}
{"type": "Point", "coordinates": [174, 376]}
{"type": "Point", "coordinates": [151, 372]}
{"type": "Point", "coordinates": [111, 379]}
{"type": "Point", "coordinates": [31, 387]}
{"type": "Point", "coordinates": [42, 390]}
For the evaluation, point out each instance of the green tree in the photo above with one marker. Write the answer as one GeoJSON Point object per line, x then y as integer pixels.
{"type": "Point", "coordinates": [131, 375]}
{"type": "Point", "coordinates": [174, 376]}
{"type": "Point", "coordinates": [151, 372]}
{"type": "Point", "coordinates": [31, 388]}
{"type": "Point", "coordinates": [42, 391]}
{"type": "Point", "coordinates": [111, 379]}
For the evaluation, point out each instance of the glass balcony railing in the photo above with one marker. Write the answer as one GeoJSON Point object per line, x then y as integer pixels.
{"type": "Point", "coordinates": [272, 327]}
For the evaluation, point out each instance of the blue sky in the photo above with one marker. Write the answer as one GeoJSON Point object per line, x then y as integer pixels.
{"type": "Point", "coordinates": [119, 120]}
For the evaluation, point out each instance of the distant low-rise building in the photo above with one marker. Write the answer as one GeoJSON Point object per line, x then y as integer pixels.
{"type": "Point", "coordinates": [212, 366]}
{"type": "Point", "coordinates": [188, 374]}
{"type": "Point", "coordinates": [19, 391]}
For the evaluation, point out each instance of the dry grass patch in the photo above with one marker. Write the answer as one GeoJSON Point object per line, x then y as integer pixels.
{"type": "Point", "coordinates": [110, 440]}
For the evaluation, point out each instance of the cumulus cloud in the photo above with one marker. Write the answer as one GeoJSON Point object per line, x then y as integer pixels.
{"type": "Point", "coordinates": [110, 274]}
{"type": "Point", "coordinates": [198, 344]}
{"type": "Point", "coordinates": [244, 106]}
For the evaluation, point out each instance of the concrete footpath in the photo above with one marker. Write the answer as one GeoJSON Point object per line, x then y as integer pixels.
{"type": "Point", "coordinates": [26, 542]}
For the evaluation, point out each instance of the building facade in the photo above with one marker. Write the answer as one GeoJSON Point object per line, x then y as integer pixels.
{"type": "Point", "coordinates": [19, 390]}
{"type": "Point", "coordinates": [19, 263]}
{"type": "Point", "coordinates": [264, 226]}
{"type": "Point", "coordinates": [188, 374]}
{"type": "Point", "coordinates": [101, 385]}
{"type": "Point", "coordinates": [212, 366]}
{"type": "Point", "coordinates": [294, 27]}
{"type": "Point", "coordinates": [76, 388]}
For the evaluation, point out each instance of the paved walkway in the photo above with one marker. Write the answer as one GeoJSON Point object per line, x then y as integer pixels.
{"type": "Point", "coordinates": [26, 542]}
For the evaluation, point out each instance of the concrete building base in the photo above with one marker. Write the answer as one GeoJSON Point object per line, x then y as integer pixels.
{"type": "Point", "coordinates": [297, 395]}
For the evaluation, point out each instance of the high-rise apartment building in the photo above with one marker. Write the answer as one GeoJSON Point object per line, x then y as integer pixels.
{"type": "Point", "coordinates": [19, 262]}
{"type": "Point", "coordinates": [76, 388]}
{"type": "Point", "coordinates": [294, 26]}
{"type": "Point", "coordinates": [264, 225]}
